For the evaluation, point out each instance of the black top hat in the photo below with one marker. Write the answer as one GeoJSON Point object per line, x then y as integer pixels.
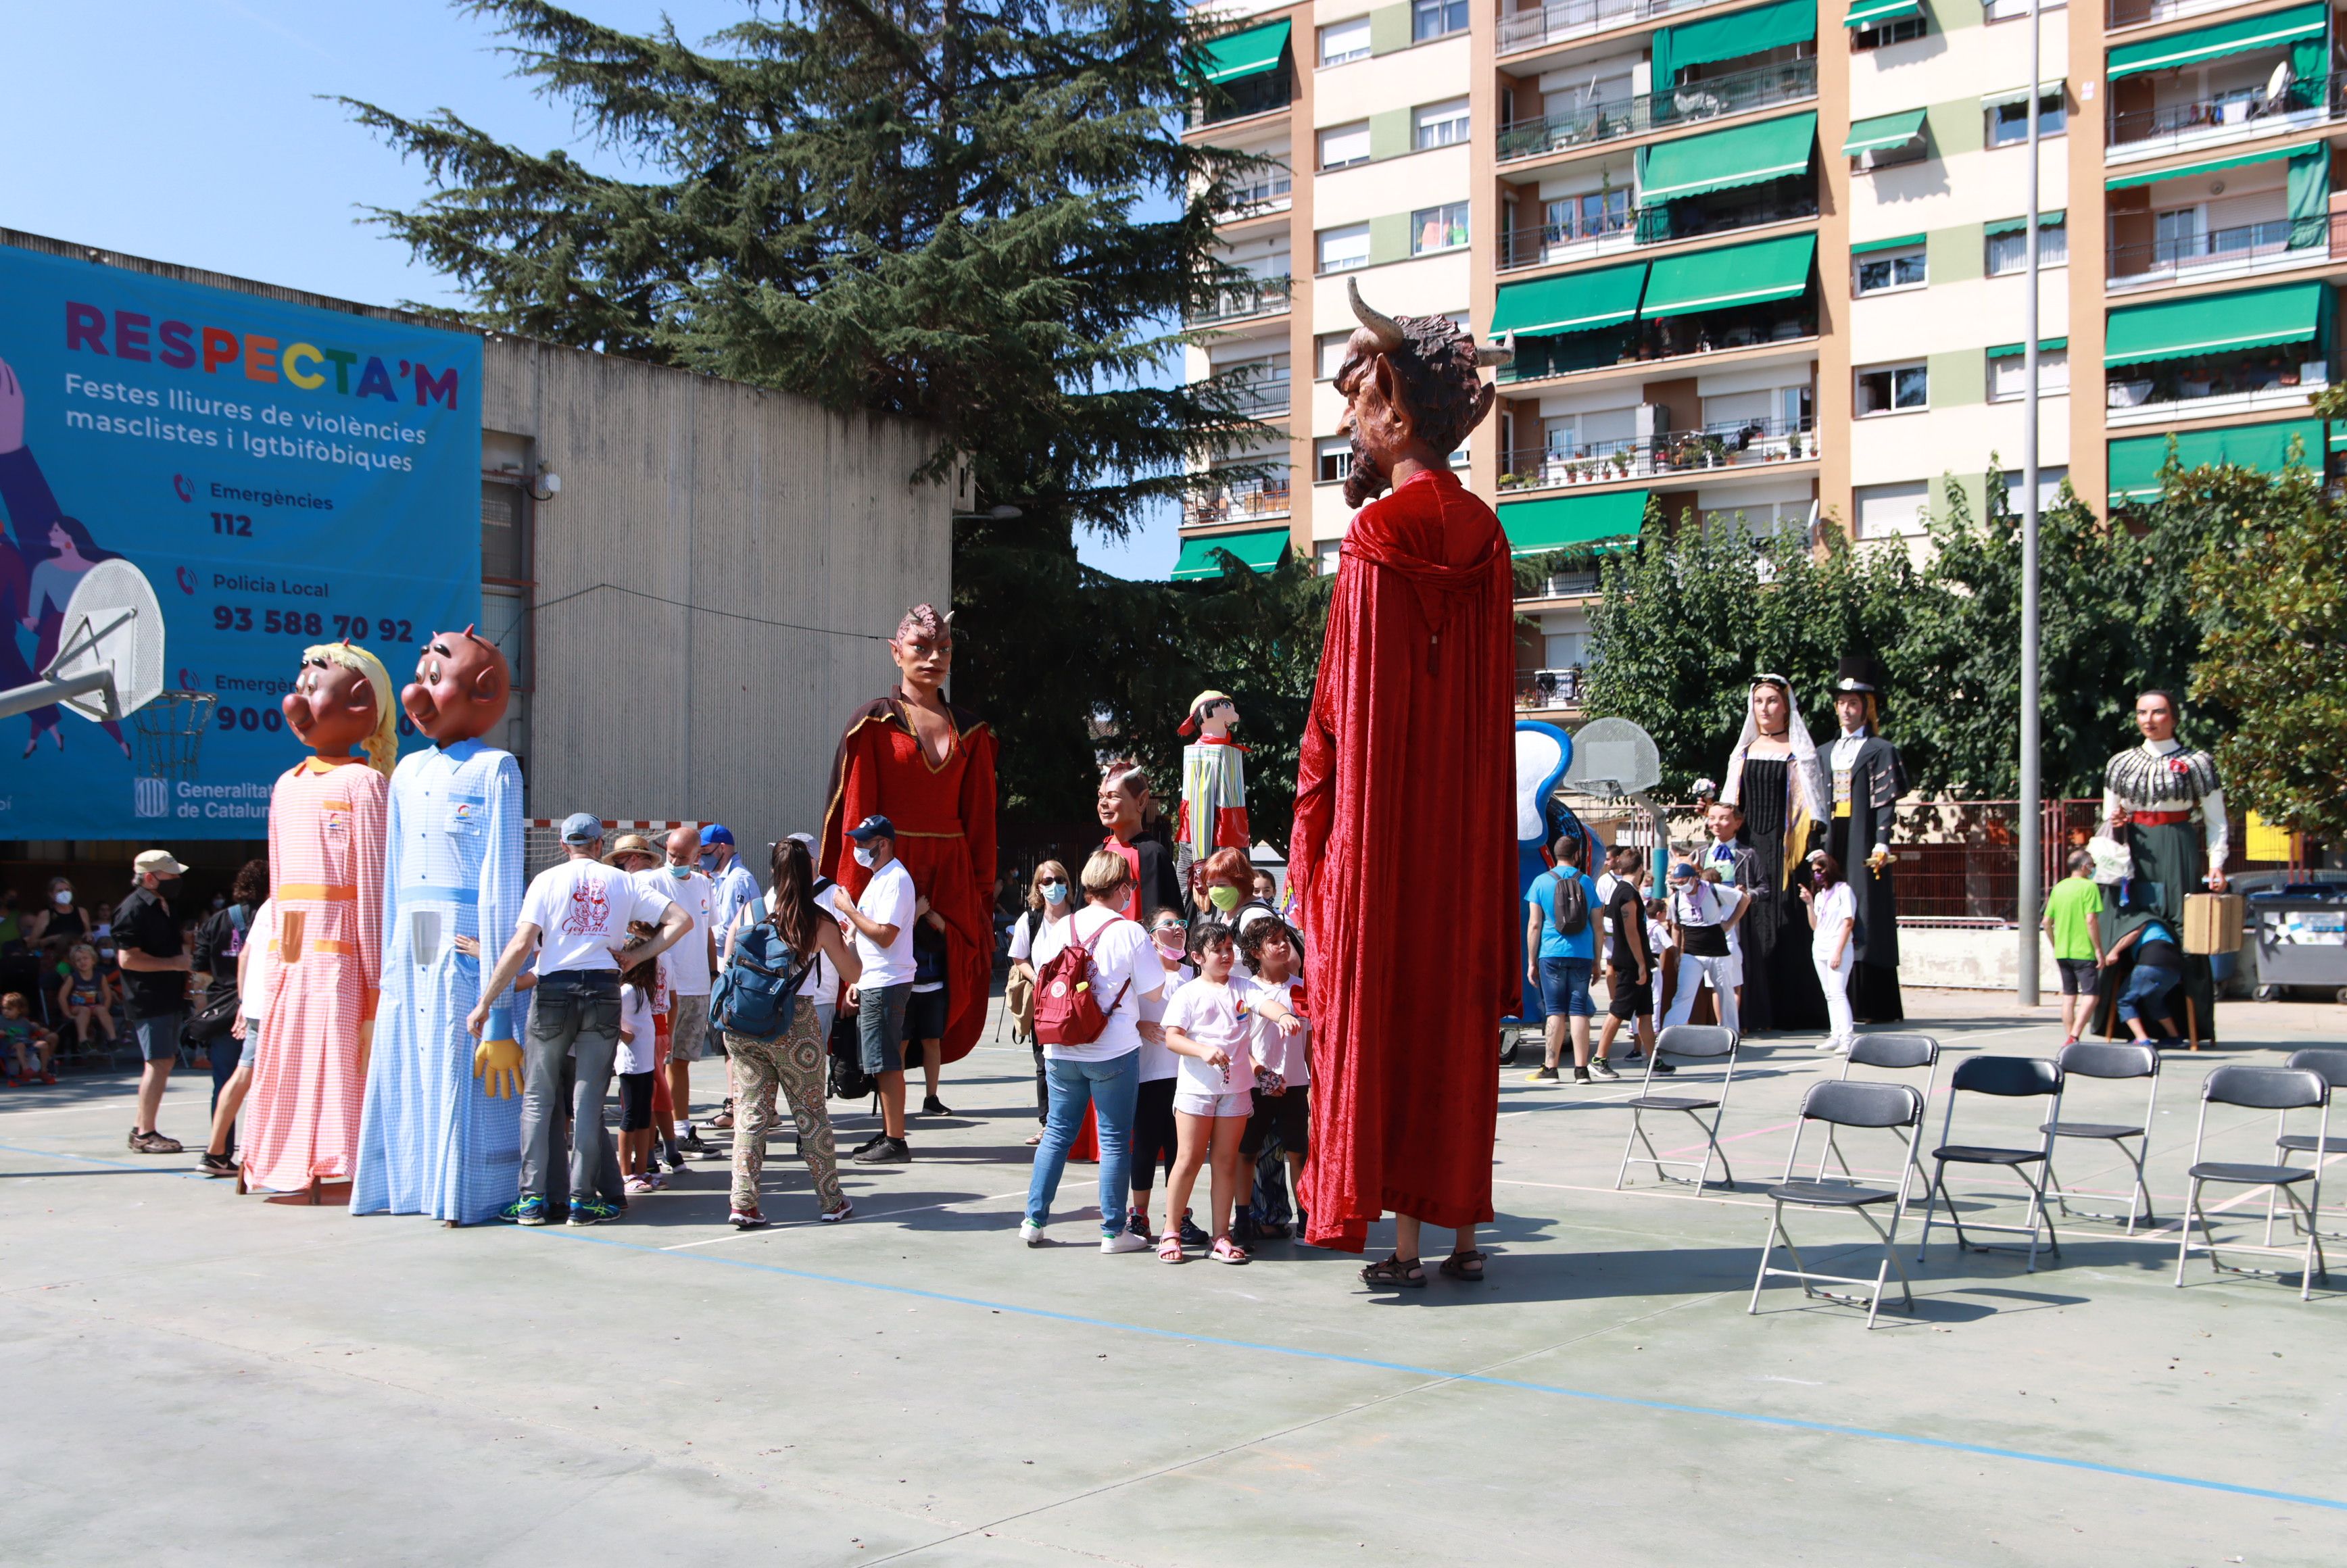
{"type": "Point", "coordinates": [1860, 672]}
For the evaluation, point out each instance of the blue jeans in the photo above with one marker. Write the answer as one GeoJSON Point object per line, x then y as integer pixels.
{"type": "Point", "coordinates": [1110, 1088]}
{"type": "Point", "coordinates": [1564, 987]}
{"type": "Point", "coordinates": [575, 1017]}
{"type": "Point", "coordinates": [2146, 994]}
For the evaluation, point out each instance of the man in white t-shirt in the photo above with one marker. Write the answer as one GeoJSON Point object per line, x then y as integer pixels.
{"type": "Point", "coordinates": [574, 918]}
{"type": "Point", "coordinates": [883, 922]}
{"type": "Point", "coordinates": [690, 967]}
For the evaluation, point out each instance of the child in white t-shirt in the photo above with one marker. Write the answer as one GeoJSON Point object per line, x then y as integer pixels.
{"type": "Point", "coordinates": [636, 1065]}
{"type": "Point", "coordinates": [1283, 1061]}
{"type": "Point", "coordinates": [1210, 1024]}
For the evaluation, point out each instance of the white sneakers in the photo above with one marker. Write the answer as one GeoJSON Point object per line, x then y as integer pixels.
{"type": "Point", "coordinates": [1030, 1233]}
{"type": "Point", "coordinates": [1124, 1241]}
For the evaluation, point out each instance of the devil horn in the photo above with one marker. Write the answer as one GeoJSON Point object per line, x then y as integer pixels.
{"type": "Point", "coordinates": [1382, 327]}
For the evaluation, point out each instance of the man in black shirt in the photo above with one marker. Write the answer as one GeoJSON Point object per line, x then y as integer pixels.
{"type": "Point", "coordinates": [155, 968]}
{"type": "Point", "coordinates": [1630, 968]}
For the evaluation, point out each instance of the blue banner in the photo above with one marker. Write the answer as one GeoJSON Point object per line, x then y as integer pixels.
{"type": "Point", "coordinates": [280, 476]}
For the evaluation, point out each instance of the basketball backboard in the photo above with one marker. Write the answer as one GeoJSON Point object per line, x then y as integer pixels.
{"type": "Point", "coordinates": [1613, 756]}
{"type": "Point", "coordinates": [113, 626]}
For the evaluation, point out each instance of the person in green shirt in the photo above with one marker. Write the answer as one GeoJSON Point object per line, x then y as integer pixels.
{"type": "Point", "coordinates": [2070, 919]}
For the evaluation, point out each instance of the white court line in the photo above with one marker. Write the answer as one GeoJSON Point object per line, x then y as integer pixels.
{"type": "Point", "coordinates": [1629, 1193]}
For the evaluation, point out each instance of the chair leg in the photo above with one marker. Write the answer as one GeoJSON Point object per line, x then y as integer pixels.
{"type": "Point", "coordinates": [2142, 1193]}
{"type": "Point", "coordinates": [1628, 1144]}
{"type": "Point", "coordinates": [1768, 1249]}
{"type": "Point", "coordinates": [2054, 1187]}
{"type": "Point", "coordinates": [2183, 1244]}
{"type": "Point", "coordinates": [1889, 1265]}
{"type": "Point", "coordinates": [1931, 1200]}
{"type": "Point", "coordinates": [2039, 1215]}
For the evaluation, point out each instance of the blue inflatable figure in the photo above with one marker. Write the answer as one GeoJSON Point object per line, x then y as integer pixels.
{"type": "Point", "coordinates": [1543, 752]}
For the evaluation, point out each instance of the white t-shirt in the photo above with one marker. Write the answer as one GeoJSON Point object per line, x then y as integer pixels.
{"type": "Point", "coordinates": [1023, 947]}
{"type": "Point", "coordinates": [687, 961]}
{"type": "Point", "coordinates": [1121, 953]}
{"type": "Point", "coordinates": [1221, 1016]}
{"type": "Point", "coordinates": [583, 907]}
{"type": "Point", "coordinates": [1158, 1061]}
{"type": "Point", "coordinates": [641, 1054]}
{"type": "Point", "coordinates": [1291, 1058]}
{"type": "Point", "coordinates": [1833, 906]}
{"type": "Point", "coordinates": [889, 900]}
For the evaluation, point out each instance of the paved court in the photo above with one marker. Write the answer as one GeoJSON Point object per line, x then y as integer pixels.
{"type": "Point", "coordinates": [195, 1377]}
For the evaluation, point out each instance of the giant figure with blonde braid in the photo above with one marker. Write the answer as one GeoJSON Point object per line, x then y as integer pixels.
{"type": "Point", "coordinates": [326, 819]}
{"type": "Point", "coordinates": [443, 1130]}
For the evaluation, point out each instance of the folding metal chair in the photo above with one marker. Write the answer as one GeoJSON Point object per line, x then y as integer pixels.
{"type": "Point", "coordinates": [2010, 1078]}
{"type": "Point", "coordinates": [1838, 1102]}
{"type": "Point", "coordinates": [1694, 1044]}
{"type": "Point", "coordinates": [2332, 1065]}
{"type": "Point", "coordinates": [2093, 1059]}
{"type": "Point", "coordinates": [2279, 1089]}
{"type": "Point", "coordinates": [1897, 1052]}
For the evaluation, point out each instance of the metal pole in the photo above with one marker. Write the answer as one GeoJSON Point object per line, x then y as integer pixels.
{"type": "Point", "coordinates": [2032, 807]}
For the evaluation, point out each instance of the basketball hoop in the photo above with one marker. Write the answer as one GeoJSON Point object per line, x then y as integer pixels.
{"type": "Point", "coordinates": [170, 732]}
{"type": "Point", "coordinates": [110, 657]}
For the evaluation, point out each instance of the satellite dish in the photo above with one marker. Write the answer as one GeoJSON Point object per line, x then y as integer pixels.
{"type": "Point", "coordinates": [2278, 85]}
{"type": "Point", "coordinates": [113, 626]}
{"type": "Point", "coordinates": [1614, 756]}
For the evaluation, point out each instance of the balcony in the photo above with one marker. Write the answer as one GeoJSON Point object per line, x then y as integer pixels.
{"type": "Point", "coordinates": [1715, 98]}
{"type": "Point", "coordinates": [1530, 28]}
{"type": "Point", "coordinates": [2247, 249]}
{"type": "Point", "coordinates": [1243, 100]}
{"type": "Point", "coordinates": [2219, 387]}
{"type": "Point", "coordinates": [1548, 691]}
{"type": "Point", "coordinates": [1242, 501]}
{"type": "Point", "coordinates": [1264, 191]}
{"type": "Point", "coordinates": [2117, 14]}
{"type": "Point", "coordinates": [1577, 235]}
{"type": "Point", "coordinates": [2226, 117]}
{"type": "Point", "coordinates": [1560, 585]}
{"type": "Point", "coordinates": [1243, 301]}
{"type": "Point", "coordinates": [1745, 444]}
{"type": "Point", "coordinates": [1252, 393]}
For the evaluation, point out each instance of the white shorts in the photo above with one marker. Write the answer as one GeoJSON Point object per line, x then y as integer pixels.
{"type": "Point", "coordinates": [1238, 1103]}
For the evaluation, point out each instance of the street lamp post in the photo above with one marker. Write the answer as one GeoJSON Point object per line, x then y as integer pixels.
{"type": "Point", "coordinates": [2032, 809]}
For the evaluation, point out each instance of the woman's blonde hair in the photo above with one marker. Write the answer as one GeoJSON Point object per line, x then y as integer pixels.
{"type": "Point", "coordinates": [382, 747]}
{"type": "Point", "coordinates": [1104, 873]}
{"type": "Point", "coordinates": [1035, 883]}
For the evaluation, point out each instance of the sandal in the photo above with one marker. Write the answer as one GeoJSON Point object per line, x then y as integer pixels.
{"type": "Point", "coordinates": [1169, 1247]}
{"type": "Point", "coordinates": [1225, 1250]}
{"type": "Point", "coordinates": [1467, 1265]}
{"type": "Point", "coordinates": [724, 1119]}
{"type": "Point", "coordinates": [1392, 1273]}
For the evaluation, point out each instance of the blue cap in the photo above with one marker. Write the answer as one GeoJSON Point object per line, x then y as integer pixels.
{"type": "Point", "coordinates": [871, 828]}
{"type": "Point", "coordinates": [716, 833]}
{"type": "Point", "coordinates": [582, 828]}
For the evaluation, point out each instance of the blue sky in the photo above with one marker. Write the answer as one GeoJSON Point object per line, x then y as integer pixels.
{"type": "Point", "coordinates": [197, 132]}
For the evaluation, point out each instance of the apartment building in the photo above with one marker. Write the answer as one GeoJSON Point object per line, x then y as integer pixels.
{"type": "Point", "coordinates": [1766, 259]}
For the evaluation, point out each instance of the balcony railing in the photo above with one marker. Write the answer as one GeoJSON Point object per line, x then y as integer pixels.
{"type": "Point", "coordinates": [1677, 337]}
{"type": "Point", "coordinates": [1562, 585]}
{"type": "Point", "coordinates": [2280, 374]}
{"type": "Point", "coordinates": [2246, 107]}
{"type": "Point", "coordinates": [1710, 99]}
{"type": "Point", "coordinates": [1577, 234]}
{"type": "Point", "coordinates": [1732, 445]}
{"type": "Point", "coordinates": [2144, 13]}
{"type": "Point", "coordinates": [1236, 503]}
{"type": "Point", "coordinates": [1263, 193]}
{"type": "Point", "coordinates": [1546, 690]}
{"type": "Point", "coordinates": [1241, 302]}
{"type": "Point", "coordinates": [2224, 249]}
{"type": "Point", "coordinates": [1546, 24]}
{"type": "Point", "coordinates": [1255, 394]}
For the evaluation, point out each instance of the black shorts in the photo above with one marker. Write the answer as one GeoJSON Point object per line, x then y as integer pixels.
{"type": "Point", "coordinates": [1630, 1000]}
{"type": "Point", "coordinates": [925, 1016]}
{"type": "Point", "coordinates": [636, 1100]}
{"type": "Point", "coordinates": [1288, 1115]}
{"type": "Point", "coordinates": [1155, 1139]}
{"type": "Point", "coordinates": [2080, 977]}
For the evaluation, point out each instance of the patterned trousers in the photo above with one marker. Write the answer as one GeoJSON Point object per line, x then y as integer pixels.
{"type": "Point", "coordinates": [794, 1062]}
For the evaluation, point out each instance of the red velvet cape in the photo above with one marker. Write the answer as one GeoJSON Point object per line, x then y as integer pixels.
{"type": "Point", "coordinates": [1405, 846]}
{"type": "Point", "coordinates": [943, 817]}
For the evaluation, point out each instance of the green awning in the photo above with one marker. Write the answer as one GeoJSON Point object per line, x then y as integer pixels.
{"type": "Point", "coordinates": [2273, 28]}
{"type": "Point", "coordinates": [1739, 33]}
{"type": "Point", "coordinates": [1724, 160]}
{"type": "Point", "coordinates": [2054, 89]}
{"type": "Point", "coordinates": [1235, 55]}
{"type": "Point", "coordinates": [2212, 323]}
{"type": "Point", "coordinates": [1739, 275]}
{"type": "Point", "coordinates": [2135, 463]}
{"type": "Point", "coordinates": [2014, 350]}
{"type": "Point", "coordinates": [1904, 241]}
{"type": "Point", "coordinates": [1874, 13]}
{"type": "Point", "coordinates": [2054, 219]}
{"type": "Point", "coordinates": [1258, 547]}
{"type": "Point", "coordinates": [1561, 521]}
{"type": "Point", "coordinates": [1883, 133]}
{"type": "Point", "coordinates": [2194, 170]}
{"type": "Point", "coordinates": [1575, 303]}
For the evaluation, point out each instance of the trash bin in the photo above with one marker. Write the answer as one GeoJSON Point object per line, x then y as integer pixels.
{"type": "Point", "coordinates": [2301, 932]}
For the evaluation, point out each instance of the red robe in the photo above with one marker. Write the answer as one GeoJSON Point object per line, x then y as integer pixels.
{"type": "Point", "coordinates": [945, 835]}
{"type": "Point", "coordinates": [1404, 850]}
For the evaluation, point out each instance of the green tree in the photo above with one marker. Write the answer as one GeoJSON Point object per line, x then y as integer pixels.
{"type": "Point", "coordinates": [934, 208]}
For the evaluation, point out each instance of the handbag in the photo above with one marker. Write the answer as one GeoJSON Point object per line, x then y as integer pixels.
{"type": "Point", "coordinates": [218, 1015]}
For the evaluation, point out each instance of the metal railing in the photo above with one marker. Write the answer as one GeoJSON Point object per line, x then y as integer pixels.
{"type": "Point", "coordinates": [1255, 394]}
{"type": "Point", "coordinates": [1548, 691]}
{"type": "Point", "coordinates": [1577, 234]}
{"type": "Point", "coordinates": [1562, 585]}
{"type": "Point", "coordinates": [2245, 107]}
{"type": "Point", "coordinates": [1710, 99]}
{"type": "Point", "coordinates": [1678, 337]}
{"type": "Point", "coordinates": [1527, 28]}
{"type": "Point", "coordinates": [1240, 302]}
{"type": "Point", "coordinates": [1262, 190]}
{"type": "Point", "coordinates": [2223, 248]}
{"type": "Point", "coordinates": [1731, 445]}
{"type": "Point", "coordinates": [2144, 13]}
{"type": "Point", "coordinates": [1236, 503]}
{"type": "Point", "coordinates": [2236, 375]}
{"type": "Point", "coordinates": [1249, 96]}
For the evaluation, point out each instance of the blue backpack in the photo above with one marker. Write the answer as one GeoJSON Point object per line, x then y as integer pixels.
{"type": "Point", "coordinates": [756, 992]}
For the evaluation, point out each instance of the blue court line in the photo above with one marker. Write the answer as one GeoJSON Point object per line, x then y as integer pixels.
{"type": "Point", "coordinates": [110, 1164]}
{"type": "Point", "coordinates": [1751, 1418]}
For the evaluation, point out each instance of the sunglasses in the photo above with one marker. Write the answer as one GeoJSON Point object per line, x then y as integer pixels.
{"type": "Point", "coordinates": [1051, 882]}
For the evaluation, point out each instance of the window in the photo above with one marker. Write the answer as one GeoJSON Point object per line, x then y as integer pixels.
{"type": "Point", "coordinates": [1437, 19]}
{"type": "Point", "coordinates": [2008, 375]}
{"type": "Point", "coordinates": [1324, 552]}
{"type": "Point", "coordinates": [2009, 10]}
{"type": "Point", "coordinates": [1893, 389]}
{"type": "Point", "coordinates": [1587, 216]}
{"type": "Point", "coordinates": [1341, 249]}
{"type": "Point", "coordinates": [2008, 124]}
{"type": "Point", "coordinates": [1887, 270]}
{"type": "Point", "coordinates": [1440, 228]}
{"type": "Point", "coordinates": [1441, 125]}
{"type": "Point", "coordinates": [2049, 487]}
{"type": "Point", "coordinates": [1898, 32]}
{"type": "Point", "coordinates": [1342, 146]}
{"type": "Point", "coordinates": [1341, 42]}
{"type": "Point", "coordinates": [2010, 253]}
{"type": "Point", "coordinates": [1890, 511]}
{"type": "Point", "coordinates": [1331, 354]}
{"type": "Point", "coordinates": [1333, 458]}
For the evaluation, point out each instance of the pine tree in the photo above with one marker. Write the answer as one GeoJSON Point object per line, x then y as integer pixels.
{"type": "Point", "coordinates": [933, 207]}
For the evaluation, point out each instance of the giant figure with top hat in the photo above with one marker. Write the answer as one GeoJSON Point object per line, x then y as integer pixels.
{"type": "Point", "coordinates": [1867, 780]}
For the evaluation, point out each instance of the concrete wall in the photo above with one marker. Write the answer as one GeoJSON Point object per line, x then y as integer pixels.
{"type": "Point", "coordinates": [755, 506]}
{"type": "Point", "coordinates": [1969, 959]}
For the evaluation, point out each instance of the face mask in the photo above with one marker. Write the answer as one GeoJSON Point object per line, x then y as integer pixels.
{"type": "Point", "coordinates": [1224, 898]}
{"type": "Point", "coordinates": [709, 862]}
{"type": "Point", "coordinates": [64, 899]}
{"type": "Point", "coordinates": [1055, 892]}
{"type": "Point", "coordinates": [1170, 942]}
{"type": "Point", "coordinates": [679, 872]}
{"type": "Point", "coordinates": [864, 855]}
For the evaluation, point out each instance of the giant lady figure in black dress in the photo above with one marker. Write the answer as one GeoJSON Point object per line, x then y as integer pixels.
{"type": "Point", "coordinates": [1774, 778]}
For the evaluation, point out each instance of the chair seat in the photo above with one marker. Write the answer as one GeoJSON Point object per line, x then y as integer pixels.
{"type": "Point", "coordinates": [2303, 1142]}
{"type": "Point", "coordinates": [2250, 1175]}
{"type": "Point", "coordinates": [1981, 1154]}
{"type": "Point", "coordinates": [1831, 1194]}
{"type": "Point", "coordinates": [2094, 1130]}
{"type": "Point", "coordinates": [1670, 1102]}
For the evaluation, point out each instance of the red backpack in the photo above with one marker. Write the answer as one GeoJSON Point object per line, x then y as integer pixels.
{"type": "Point", "coordinates": [1067, 1007]}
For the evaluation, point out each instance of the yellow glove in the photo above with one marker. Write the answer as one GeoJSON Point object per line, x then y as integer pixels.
{"type": "Point", "coordinates": [497, 1064]}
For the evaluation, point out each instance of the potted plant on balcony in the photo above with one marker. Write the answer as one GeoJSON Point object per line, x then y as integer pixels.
{"type": "Point", "coordinates": [1621, 462]}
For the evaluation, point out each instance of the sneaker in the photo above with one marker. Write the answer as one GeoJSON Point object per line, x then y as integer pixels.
{"type": "Point", "coordinates": [1604, 1069]}
{"type": "Point", "coordinates": [873, 1142]}
{"type": "Point", "coordinates": [48, 1077]}
{"type": "Point", "coordinates": [1137, 1224]}
{"type": "Point", "coordinates": [217, 1165]}
{"type": "Point", "coordinates": [592, 1212]}
{"type": "Point", "coordinates": [1826, 1045]}
{"type": "Point", "coordinates": [833, 1217]}
{"type": "Point", "coordinates": [933, 1106]}
{"type": "Point", "coordinates": [1664, 1070]}
{"type": "Point", "coordinates": [1581, 1075]}
{"type": "Point", "coordinates": [153, 1143]}
{"type": "Point", "coordinates": [692, 1144]}
{"type": "Point", "coordinates": [1191, 1235]}
{"type": "Point", "coordinates": [885, 1152]}
{"type": "Point", "coordinates": [1124, 1241]}
{"type": "Point", "coordinates": [740, 1219]}
{"type": "Point", "coordinates": [1030, 1233]}
{"type": "Point", "coordinates": [524, 1212]}
{"type": "Point", "coordinates": [674, 1156]}
{"type": "Point", "coordinates": [1540, 1075]}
